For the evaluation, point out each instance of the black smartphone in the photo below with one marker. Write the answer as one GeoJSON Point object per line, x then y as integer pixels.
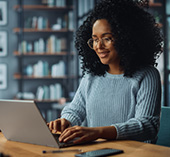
{"type": "Point", "coordinates": [100, 152]}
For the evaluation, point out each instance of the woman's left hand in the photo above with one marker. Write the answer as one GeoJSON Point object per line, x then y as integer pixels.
{"type": "Point", "coordinates": [84, 134]}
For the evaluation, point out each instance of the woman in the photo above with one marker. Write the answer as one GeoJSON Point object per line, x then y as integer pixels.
{"type": "Point", "coordinates": [120, 93]}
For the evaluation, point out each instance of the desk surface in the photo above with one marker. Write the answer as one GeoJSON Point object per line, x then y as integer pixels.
{"type": "Point", "coordinates": [131, 149]}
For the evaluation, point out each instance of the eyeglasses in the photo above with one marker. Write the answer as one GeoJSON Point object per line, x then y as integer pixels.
{"type": "Point", "coordinates": [106, 42]}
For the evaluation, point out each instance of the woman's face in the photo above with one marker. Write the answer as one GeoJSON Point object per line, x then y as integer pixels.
{"type": "Point", "coordinates": [107, 53]}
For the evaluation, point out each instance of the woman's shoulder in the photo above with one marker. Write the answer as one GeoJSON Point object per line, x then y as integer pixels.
{"type": "Point", "coordinates": [149, 72]}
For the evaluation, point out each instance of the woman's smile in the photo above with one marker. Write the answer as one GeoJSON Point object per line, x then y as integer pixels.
{"type": "Point", "coordinates": [103, 54]}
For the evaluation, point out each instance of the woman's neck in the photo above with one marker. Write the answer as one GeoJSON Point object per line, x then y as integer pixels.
{"type": "Point", "coordinates": [115, 70]}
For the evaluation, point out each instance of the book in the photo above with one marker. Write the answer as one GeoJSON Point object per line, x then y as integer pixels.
{"type": "Point", "coordinates": [58, 90]}
{"type": "Point", "coordinates": [40, 93]}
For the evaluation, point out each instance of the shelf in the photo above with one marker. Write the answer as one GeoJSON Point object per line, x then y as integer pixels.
{"type": "Point", "coordinates": [42, 101]}
{"type": "Point", "coordinates": [160, 25]}
{"type": "Point", "coordinates": [46, 101]}
{"type": "Point", "coordinates": [29, 30]}
{"type": "Point", "coordinates": [16, 53]}
{"type": "Point", "coordinates": [19, 76]}
{"type": "Point", "coordinates": [42, 7]}
{"type": "Point", "coordinates": [155, 4]}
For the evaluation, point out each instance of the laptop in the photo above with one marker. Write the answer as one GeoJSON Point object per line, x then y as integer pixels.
{"type": "Point", "coordinates": [22, 121]}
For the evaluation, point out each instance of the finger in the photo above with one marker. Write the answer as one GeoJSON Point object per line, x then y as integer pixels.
{"type": "Point", "coordinates": [64, 124]}
{"type": "Point", "coordinates": [66, 131]}
{"type": "Point", "coordinates": [48, 124]}
{"type": "Point", "coordinates": [57, 125]}
{"type": "Point", "coordinates": [73, 136]}
{"type": "Point", "coordinates": [69, 132]}
{"type": "Point", "coordinates": [51, 125]}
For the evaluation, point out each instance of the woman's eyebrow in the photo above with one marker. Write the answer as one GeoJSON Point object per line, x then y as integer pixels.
{"type": "Point", "coordinates": [106, 34]}
{"type": "Point", "coordinates": [102, 34]}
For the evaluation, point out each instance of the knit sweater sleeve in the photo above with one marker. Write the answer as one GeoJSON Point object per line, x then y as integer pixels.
{"type": "Point", "coordinates": [145, 124]}
{"type": "Point", "coordinates": [75, 112]}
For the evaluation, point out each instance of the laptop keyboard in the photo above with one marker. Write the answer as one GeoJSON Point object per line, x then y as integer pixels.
{"type": "Point", "coordinates": [62, 144]}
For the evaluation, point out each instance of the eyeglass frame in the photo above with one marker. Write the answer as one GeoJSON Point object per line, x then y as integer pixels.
{"type": "Point", "coordinates": [101, 40]}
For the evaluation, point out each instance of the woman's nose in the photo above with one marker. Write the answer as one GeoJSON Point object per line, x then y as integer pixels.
{"type": "Point", "coordinates": [100, 44]}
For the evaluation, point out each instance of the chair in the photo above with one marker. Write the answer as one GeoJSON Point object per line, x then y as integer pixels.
{"type": "Point", "coordinates": [164, 132]}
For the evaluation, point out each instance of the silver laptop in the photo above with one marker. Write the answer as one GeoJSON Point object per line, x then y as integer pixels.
{"type": "Point", "coordinates": [22, 121]}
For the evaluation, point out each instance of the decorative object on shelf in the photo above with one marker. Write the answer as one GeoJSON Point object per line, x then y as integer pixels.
{"type": "Point", "coordinates": [3, 76]}
{"type": "Point", "coordinates": [3, 43]}
{"type": "Point", "coordinates": [3, 13]}
{"type": "Point", "coordinates": [158, 17]}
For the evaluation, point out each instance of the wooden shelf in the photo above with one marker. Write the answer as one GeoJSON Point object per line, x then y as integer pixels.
{"type": "Point", "coordinates": [160, 25]}
{"type": "Point", "coordinates": [155, 4]}
{"type": "Point", "coordinates": [19, 76]}
{"type": "Point", "coordinates": [42, 7]}
{"type": "Point", "coordinates": [16, 53]}
{"type": "Point", "coordinates": [46, 101]}
{"type": "Point", "coordinates": [42, 101]}
{"type": "Point", "coordinates": [64, 30]}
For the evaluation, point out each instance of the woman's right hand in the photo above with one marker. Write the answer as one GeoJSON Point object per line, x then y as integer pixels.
{"type": "Point", "coordinates": [58, 125]}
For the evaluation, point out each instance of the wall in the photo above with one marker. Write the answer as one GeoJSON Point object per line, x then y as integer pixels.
{"type": "Point", "coordinates": [10, 60]}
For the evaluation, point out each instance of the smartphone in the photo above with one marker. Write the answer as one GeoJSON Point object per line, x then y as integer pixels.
{"type": "Point", "coordinates": [100, 152]}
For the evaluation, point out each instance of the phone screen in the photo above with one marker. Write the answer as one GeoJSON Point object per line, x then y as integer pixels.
{"type": "Point", "coordinates": [100, 152]}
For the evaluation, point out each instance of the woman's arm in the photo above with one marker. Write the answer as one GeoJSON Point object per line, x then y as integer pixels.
{"type": "Point", "coordinates": [145, 124]}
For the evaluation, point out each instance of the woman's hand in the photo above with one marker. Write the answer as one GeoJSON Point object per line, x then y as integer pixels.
{"type": "Point", "coordinates": [87, 134]}
{"type": "Point", "coordinates": [58, 125]}
{"type": "Point", "coordinates": [84, 134]}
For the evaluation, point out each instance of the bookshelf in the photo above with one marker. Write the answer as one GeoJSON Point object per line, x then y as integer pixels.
{"type": "Point", "coordinates": [45, 53]}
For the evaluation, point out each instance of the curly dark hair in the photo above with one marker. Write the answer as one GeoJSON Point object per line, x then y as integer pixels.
{"type": "Point", "coordinates": [138, 40]}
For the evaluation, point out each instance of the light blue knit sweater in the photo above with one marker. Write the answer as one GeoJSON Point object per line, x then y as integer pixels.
{"type": "Point", "coordinates": [132, 105]}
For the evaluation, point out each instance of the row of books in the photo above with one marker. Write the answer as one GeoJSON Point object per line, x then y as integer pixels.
{"type": "Point", "coordinates": [51, 92]}
{"type": "Point", "coordinates": [37, 22]}
{"type": "Point", "coordinates": [66, 21]}
{"type": "Point", "coordinates": [42, 68]}
{"type": "Point", "coordinates": [52, 3]}
{"type": "Point", "coordinates": [53, 44]}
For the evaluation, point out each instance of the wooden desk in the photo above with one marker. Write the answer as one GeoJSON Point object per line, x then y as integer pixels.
{"type": "Point", "coordinates": [131, 149]}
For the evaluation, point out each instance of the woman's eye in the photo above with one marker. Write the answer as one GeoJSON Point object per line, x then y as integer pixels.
{"type": "Point", "coordinates": [96, 40]}
{"type": "Point", "coordinates": [107, 39]}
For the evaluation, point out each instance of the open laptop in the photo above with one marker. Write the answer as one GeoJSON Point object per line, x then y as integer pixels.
{"type": "Point", "coordinates": [22, 121]}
